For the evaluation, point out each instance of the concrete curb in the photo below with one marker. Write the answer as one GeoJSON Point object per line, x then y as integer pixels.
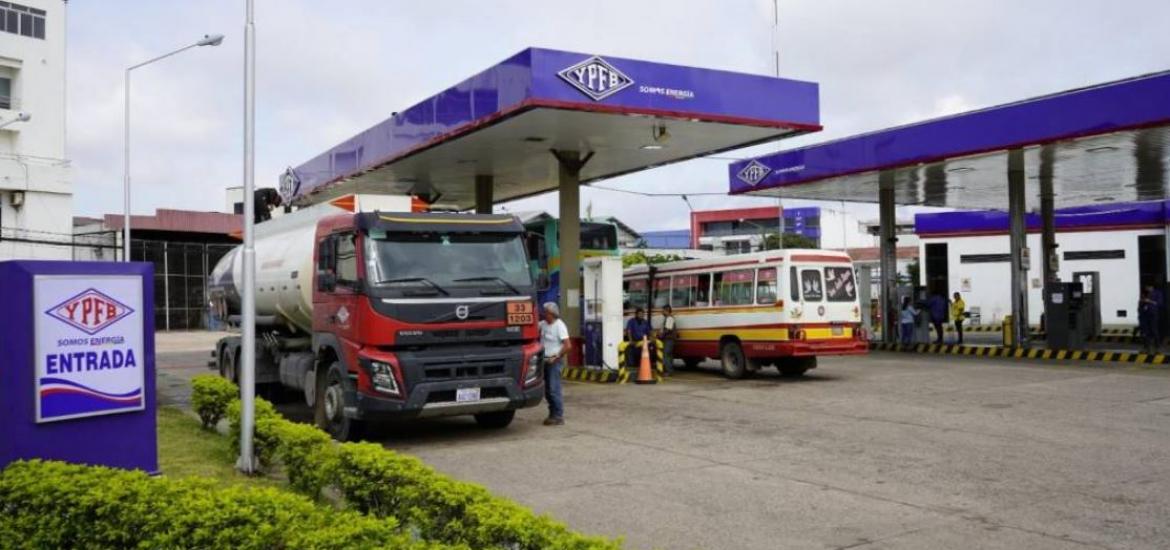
{"type": "Point", "coordinates": [1020, 353]}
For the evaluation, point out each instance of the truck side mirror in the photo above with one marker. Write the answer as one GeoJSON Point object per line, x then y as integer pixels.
{"type": "Point", "coordinates": [326, 280]}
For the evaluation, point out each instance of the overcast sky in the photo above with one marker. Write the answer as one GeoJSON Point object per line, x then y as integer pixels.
{"type": "Point", "coordinates": [330, 69]}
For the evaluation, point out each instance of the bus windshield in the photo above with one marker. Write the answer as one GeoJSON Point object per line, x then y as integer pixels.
{"type": "Point", "coordinates": [441, 262]}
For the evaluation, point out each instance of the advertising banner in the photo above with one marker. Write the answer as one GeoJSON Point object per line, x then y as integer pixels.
{"type": "Point", "coordinates": [88, 345]}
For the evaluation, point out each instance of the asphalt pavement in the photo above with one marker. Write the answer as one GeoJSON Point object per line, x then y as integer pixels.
{"type": "Point", "coordinates": [881, 451]}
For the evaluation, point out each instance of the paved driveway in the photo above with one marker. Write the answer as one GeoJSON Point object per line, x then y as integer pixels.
{"type": "Point", "coordinates": [884, 451]}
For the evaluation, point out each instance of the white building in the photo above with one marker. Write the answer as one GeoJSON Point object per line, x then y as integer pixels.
{"type": "Point", "coordinates": [36, 197]}
{"type": "Point", "coordinates": [969, 252]}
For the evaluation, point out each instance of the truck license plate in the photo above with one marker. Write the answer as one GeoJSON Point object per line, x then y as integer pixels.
{"type": "Point", "coordinates": [466, 395]}
{"type": "Point", "coordinates": [838, 331]}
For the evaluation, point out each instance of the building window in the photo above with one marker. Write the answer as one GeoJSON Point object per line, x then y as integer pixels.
{"type": "Point", "coordinates": [984, 258]}
{"type": "Point", "coordinates": [22, 20]}
{"type": "Point", "coordinates": [5, 92]}
{"type": "Point", "coordinates": [1095, 255]}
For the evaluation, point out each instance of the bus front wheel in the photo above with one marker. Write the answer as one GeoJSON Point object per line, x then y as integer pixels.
{"type": "Point", "coordinates": [733, 360]}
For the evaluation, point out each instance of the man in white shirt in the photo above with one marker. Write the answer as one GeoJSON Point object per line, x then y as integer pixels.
{"type": "Point", "coordinates": [554, 336]}
{"type": "Point", "coordinates": [668, 335]}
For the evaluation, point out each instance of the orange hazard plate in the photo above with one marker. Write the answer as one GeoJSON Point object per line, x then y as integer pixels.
{"type": "Point", "coordinates": [521, 313]}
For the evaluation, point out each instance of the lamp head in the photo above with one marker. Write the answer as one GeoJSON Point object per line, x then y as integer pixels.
{"type": "Point", "coordinates": [210, 40]}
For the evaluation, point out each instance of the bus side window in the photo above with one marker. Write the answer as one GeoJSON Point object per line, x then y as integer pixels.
{"type": "Point", "coordinates": [703, 296]}
{"type": "Point", "coordinates": [766, 286]}
{"type": "Point", "coordinates": [661, 292]}
{"type": "Point", "coordinates": [794, 284]}
{"type": "Point", "coordinates": [682, 292]}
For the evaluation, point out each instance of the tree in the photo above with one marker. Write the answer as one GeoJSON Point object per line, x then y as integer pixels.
{"type": "Point", "coordinates": [791, 240]}
{"type": "Point", "coordinates": [636, 258]}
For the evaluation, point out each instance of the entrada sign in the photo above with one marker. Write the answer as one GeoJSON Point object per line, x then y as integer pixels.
{"type": "Point", "coordinates": [89, 348]}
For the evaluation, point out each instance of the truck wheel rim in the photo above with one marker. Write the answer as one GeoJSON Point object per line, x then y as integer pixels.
{"type": "Point", "coordinates": [333, 402]}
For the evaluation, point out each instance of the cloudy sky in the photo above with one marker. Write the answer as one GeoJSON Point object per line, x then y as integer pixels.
{"type": "Point", "coordinates": [330, 69]}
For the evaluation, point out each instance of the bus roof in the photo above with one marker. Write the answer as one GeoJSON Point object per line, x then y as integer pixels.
{"type": "Point", "coordinates": [785, 255]}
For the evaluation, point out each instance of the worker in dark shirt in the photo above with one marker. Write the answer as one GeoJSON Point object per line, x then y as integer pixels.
{"type": "Point", "coordinates": [637, 328]}
{"type": "Point", "coordinates": [937, 306]}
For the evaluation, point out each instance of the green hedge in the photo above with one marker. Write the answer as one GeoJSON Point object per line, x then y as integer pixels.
{"type": "Point", "coordinates": [58, 505]}
{"type": "Point", "coordinates": [386, 484]}
{"type": "Point", "coordinates": [210, 397]}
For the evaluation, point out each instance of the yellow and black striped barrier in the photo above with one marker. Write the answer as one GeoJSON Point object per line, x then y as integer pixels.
{"type": "Point", "coordinates": [601, 376]}
{"type": "Point", "coordinates": [1033, 353]}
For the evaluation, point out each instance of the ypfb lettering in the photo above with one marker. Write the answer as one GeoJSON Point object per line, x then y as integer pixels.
{"type": "Point", "coordinates": [90, 311]}
{"type": "Point", "coordinates": [596, 78]}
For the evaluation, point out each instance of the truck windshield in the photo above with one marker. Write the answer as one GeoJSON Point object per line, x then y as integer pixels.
{"type": "Point", "coordinates": [440, 262]}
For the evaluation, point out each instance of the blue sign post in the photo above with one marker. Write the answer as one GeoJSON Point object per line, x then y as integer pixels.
{"type": "Point", "coordinates": [77, 363]}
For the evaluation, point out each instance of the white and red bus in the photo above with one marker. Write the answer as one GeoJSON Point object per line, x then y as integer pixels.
{"type": "Point", "coordinates": [781, 308]}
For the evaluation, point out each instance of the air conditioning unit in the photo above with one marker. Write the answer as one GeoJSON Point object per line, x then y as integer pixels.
{"type": "Point", "coordinates": [17, 199]}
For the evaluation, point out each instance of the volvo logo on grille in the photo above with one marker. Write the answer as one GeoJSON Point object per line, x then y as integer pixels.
{"type": "Point", "coordinates": [461, 312]}
{"type": "Point", "coordinates": [596, 78]}
{"type": "Point", "coordinates": [754, 172]}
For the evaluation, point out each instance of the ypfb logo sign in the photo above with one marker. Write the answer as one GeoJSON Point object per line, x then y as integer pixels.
{"type": "Point", "coordinates": [754, 172]}
{"type": "Point", "coordinates": [596, 78]}
{"type": "Point", "coordinates": [89, 346]}
{"type": "Point", "coordinates": [90, 312]}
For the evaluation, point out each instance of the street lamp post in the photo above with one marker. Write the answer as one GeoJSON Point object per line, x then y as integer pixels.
{"type": "Point", "coordinates": [247, 460]}
{"type": "Point", "coordinates": [207, 40]}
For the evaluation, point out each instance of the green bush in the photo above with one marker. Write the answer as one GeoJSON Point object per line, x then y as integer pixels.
{"type": "Point", "coordinates": [265, 439]}
{"type": "Point", "coordinates": [383, 483]}
{"type": "Point", "coordinates": [58, 505]}
{"type": "Point", "coordinates": [309, 456]}
{"type": "Point", "coordinates": [210, 397]}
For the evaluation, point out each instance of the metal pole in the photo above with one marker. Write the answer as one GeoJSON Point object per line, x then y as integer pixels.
{"type": "Point", "coordinates": [247, 461]}
{"type": "Point", "coordinates": [126, 176]}
{"type": "Point", "coordinates": [1018, 232]}
{"type": "Point", "coordinates": [888, 256]}
{"type": "Point", "coordinates": [483, 193]}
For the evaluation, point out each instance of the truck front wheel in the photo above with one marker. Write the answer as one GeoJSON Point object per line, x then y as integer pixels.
{"type": "Point", "coordinates": [330, 409]}
{"type": "Point", "coordinates": [495, 420]}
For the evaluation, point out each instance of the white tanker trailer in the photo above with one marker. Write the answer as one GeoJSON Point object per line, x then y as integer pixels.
{"type": "Point", "coordinates": [380, 312]}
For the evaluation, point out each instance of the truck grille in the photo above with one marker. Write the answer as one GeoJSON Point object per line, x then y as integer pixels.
{"type": "Point", "coordinates": [463, 369]}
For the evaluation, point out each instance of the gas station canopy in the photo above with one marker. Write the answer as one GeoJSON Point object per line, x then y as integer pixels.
{"type": "Point", "coordinates": [1100, 144]}
{"type": "Point", "coordinates": [500, 125]}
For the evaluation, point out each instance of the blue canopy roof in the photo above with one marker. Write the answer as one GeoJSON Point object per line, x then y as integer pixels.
{"type": "Point", "coordinates": [1101, 143]}
{"type": "Point", "coordinates": [502, 122]}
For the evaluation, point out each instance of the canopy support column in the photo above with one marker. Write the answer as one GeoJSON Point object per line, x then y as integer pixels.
{"type": "Point", "coordinates": [569, 239]}
{"type": "Point", "coordinates": [1018, 232]}
{"type": "Point", "coordinates": [1050, 256]}
{"type": "Point", "coordinates": [888, 254]}
{"type": "Point", "coordinates": [484, 185]}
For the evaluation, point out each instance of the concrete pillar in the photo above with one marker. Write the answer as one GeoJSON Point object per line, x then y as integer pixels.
{"type": "Point", "coordinates": [484, 185]}
{"type": "Point", "coordinates": [1050, 256]}
{"type": "Point", "coordinates": [1018, 232]}
{"type": "Point", "coordinates": [888, 254]}
{"type": "Point", "coordinates": [569, 237]}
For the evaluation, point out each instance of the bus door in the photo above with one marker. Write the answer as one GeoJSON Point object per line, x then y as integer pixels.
{"type": "Point", "coordinates": [808, 287]}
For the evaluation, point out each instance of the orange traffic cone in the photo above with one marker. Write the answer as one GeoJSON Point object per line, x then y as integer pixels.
{"type": "Point", "coordinates": [645, 375]}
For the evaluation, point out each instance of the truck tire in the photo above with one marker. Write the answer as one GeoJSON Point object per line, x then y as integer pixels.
{"type": "Point", "coordinates": [227, 364]}
{"type": "Point", "coordinates": [330, 409]}
{"type": "Point", "coordinates": [734, 362]}
{"type": "Point", "coordinates": [497, 420]}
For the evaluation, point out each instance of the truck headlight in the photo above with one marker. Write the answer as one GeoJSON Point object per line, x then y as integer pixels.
{"type": "Point", "coordinates": [532, 375]}
{"type": "Point", "coordinates": [382, 375]}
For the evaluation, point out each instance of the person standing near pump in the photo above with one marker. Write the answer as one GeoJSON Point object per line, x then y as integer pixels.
{"type": "Point", "coordinates": [669, 334]}
{"type": "Point", "coordinates": [1148, 320]}
{"type": "Point", "coordinates": [958, 311]}
{"type": "Point", "coordinates": [554, 337]}
{"type": "Point", "coordinates": [937, 306]}
{"type": "Point", "coordinates": [637, 328]}
{"type": "Point", "coordinates": [908, 319]}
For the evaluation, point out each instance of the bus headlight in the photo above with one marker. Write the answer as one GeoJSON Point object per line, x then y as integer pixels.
{"type": "Point", "coordinates": [532, 375]}
{"type": "Point", "coordinates": [382, 376]}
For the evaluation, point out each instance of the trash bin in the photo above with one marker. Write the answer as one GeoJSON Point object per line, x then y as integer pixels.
{"type": "Point", "coordinates": [1008, 340]}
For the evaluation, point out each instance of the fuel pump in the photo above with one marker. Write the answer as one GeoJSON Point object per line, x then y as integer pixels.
{"type": "Point", "coordinates": [602, 323]}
